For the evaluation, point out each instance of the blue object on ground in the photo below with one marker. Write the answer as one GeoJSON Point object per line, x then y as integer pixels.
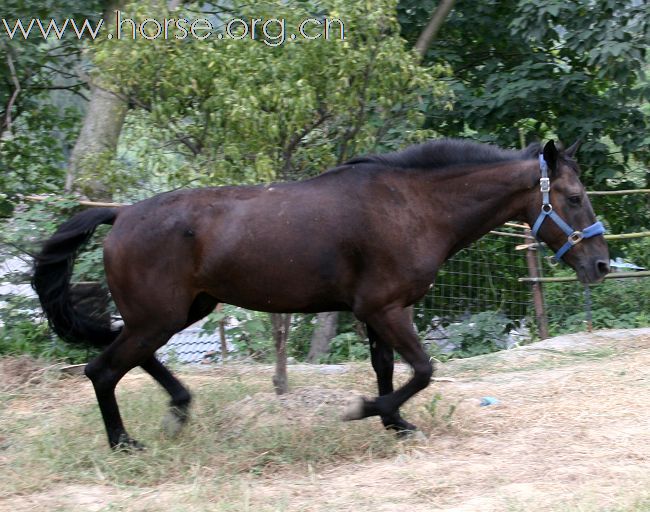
{"type": "Point", "coordinates": [488, 400]}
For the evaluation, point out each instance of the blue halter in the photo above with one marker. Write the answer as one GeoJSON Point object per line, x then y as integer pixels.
{"type": "Point", "coordinates": [573, 236]}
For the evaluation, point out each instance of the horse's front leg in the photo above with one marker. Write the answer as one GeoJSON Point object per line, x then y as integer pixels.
{"type": "Point", "coordinates": [383, 362]}
{"type": "Point", "coordinates": [394, 327]}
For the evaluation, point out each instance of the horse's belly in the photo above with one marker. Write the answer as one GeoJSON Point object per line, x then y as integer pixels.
{"type": "Point", "coordinates": [279, 296]}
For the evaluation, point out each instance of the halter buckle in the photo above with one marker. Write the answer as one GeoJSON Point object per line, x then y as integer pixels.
{"type": "Point", "coordinates": [575, 237]}
{"type": "Point", "coordinates": [547, 208]}
{"type": "Point", "coordinates": [545, 184]}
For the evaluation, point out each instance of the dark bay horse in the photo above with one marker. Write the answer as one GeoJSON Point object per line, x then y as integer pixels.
{"type": "Point", "coordinates": [368, 237]}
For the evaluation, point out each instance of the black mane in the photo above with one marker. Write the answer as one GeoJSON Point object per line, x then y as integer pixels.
{"type": "Point", "coordinates": [441, 153]}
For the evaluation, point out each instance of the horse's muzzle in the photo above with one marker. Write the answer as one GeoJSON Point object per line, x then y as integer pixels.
{"type": "Point", "coordinates": [594, 272]}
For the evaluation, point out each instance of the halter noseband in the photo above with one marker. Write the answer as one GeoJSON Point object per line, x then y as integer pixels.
{"type": "Point", "coordinates": [573, 236]}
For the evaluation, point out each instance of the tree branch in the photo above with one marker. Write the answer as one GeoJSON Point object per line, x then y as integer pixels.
{"type": "Point", "coordinates": [12, 100]}
{"type": "Point", "coordinates": [360, 117]}
{"type": "Point", "coordinates": [195, 147]}
{"type": "Point", "coordinates": [189, 144]}
{"type": "Point", "coordinates": [431, 30]}
{"type": "Point", "coordinates": [294, 141]}
{"type": "Point", "coordinates": [72, 88]}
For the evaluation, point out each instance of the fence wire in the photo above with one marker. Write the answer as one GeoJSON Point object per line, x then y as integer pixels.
{"type": "Point", "coordinates": [479, 278]}
{"type": "Point", "coordinates": [614, 303]}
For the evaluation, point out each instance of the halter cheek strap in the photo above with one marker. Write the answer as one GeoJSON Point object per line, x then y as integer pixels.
{"type": "Point", "coordinates": [573, 236]}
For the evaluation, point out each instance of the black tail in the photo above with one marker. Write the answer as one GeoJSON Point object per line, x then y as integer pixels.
{"type": "Point", "coordinates": [52, 274]}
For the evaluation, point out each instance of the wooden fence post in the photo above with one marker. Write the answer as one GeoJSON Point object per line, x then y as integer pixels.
{"type": "Point", "coordinates": [538, 292]}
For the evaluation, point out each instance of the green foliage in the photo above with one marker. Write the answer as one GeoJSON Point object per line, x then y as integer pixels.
{"type": "Point", "coordinates": [624, 214]}
{"type": "Point", "coordinates": [602, 318]}
{"type": "Point", "coordinates": [565, 69]}
{"type": "Point", "coordinates": [33, 157]}
{"type": "Point", "coordinates": [468, 284]}
{"type": "Point", "coordinates": [482, 333]}
{"type": "Point", "coordinates": [437, 412]}
{"type": "Point", "coordinates": [249, 331]}
{"type": "Point", "coordinates": [44, 116]}
{"type": "Point", "coordinates": [348, 346]}
{"type": "Point", "coordinates": [251, 334]}
{"type": "Point", "coordinates": [240, 111]}
{"type": "Point", "coordinates": [617, 303]}
{"type": "Point", "coordinates": [23, 331]}
{"type": "Point", "coordinates": [33, 223]}
{"type": "Point", "coordinates": [637, 251]}
{"type": "Point", "coordinates": [302, 329]}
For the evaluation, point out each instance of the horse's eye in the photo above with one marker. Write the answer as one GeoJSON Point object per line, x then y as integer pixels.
{"type": "Point", "coordinates": [575, 200]}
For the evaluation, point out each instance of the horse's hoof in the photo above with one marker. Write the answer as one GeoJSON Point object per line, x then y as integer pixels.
{"type": "Point", "coordinates": [128, 445]}
{"type": "Point", "coordinates": [173, 422]}
{"type": "Point", "coordinates": [354, 410]}
{"type": "Point", "coordinates": [402, 428]}
{"type": "Point", "coordinates": [411, 435]}
{"type": "Point", "coordinates": [398, 424]}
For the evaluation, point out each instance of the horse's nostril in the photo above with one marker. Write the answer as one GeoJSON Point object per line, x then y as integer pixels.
{"type": "Point", "coordinates": [603, 267]}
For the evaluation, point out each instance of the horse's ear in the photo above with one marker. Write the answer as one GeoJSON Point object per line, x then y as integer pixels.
{"type": "Point", "coordinates": [550, 155]}
{"type": "Point", "coordinates": [573, 149]}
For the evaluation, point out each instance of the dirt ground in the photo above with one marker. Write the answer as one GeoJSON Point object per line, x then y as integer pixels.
{"type": "Point", "coordinates": [569, 432]}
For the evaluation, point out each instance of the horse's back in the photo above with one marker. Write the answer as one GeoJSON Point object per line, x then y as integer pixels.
{"type": "Point", "coordinates": [242, 245]}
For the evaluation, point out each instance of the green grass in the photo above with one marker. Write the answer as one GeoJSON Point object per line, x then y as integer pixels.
{"type": "Point", "coordinates": [67, 444]}
{"type": "Point", "coordinates": [241, 441]}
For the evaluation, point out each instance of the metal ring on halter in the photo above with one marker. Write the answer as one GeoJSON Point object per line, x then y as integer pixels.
{"type": "Point", "coordinates": [552, 260]}
{"type": "Point", "coordinates": [575, 237]}
{"type": "Point", "coordinates": [547, 208]}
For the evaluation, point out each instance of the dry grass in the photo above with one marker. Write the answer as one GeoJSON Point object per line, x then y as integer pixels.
{"type": "Point", "coordinates": [570, 433]}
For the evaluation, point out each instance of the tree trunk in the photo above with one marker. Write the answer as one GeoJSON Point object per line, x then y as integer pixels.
{"type": "Point", "coordinates": [281, 323]}
{"type": "Point", "coordinates": [99, 135]}
{"type": "Point", "coordinates": [324, 332]}
{"type": "Point", "coordinates": [96, 143]}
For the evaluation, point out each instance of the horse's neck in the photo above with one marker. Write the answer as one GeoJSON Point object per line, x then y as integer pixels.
{"type": "Point", "coordinates": [481, 200]}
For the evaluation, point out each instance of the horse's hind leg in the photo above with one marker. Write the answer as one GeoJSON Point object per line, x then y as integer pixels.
{"type": "Point", "coordinates": [105, 372]}
{"type": "Point", "coordinates": [383, 362]}
{"type": "Point", "coordinates": [135, 346]}
{"type": "Point", "coordinates": [180, 396]}
{"type": "Point", "coordinates": [129, 350]}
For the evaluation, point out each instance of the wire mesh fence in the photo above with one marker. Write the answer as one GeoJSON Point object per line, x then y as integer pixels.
{"type": "Point", "coordinates": [479, 278]}
{"type": "Point", "coordinates": [485, 277]}
{"type": "Point", "coordinates": [615, 303]}
{"type": "Point", "coordinates": [622, 303]}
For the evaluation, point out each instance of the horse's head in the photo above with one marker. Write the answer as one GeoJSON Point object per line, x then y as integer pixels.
{"type": "Point", "coordinates": [564, 219]}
